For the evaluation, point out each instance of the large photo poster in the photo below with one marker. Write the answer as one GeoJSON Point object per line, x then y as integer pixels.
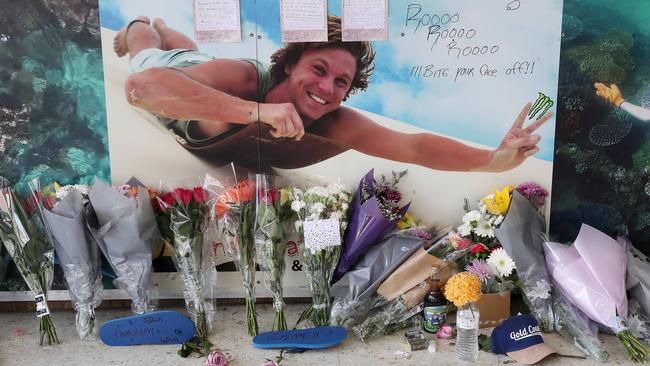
{"type": "Point", "coordinates": [446, 90]}
{"type": "Point", "coordinates": [601, 162]}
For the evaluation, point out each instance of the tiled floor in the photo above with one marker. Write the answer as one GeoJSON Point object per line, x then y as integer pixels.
{"type": "Point", "coordinates": [230, 336]}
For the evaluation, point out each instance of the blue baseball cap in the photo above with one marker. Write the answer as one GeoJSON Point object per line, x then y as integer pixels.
{"type": "Point", "coordinates": [520, 338]}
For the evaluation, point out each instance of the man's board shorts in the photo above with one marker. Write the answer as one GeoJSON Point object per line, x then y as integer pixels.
{"type": "Point", "coordinates": [180, 58]}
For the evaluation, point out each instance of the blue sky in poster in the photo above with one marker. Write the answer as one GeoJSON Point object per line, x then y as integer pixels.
{"type": "Point", "coordinates": [472, 107]}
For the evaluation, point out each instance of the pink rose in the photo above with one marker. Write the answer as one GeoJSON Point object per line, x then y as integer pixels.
{"type": "Point", "coordinates": [445, 332]}
{"type": "Point", "coordinates": [216, 358]}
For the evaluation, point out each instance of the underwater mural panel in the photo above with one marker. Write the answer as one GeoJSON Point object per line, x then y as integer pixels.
{"type": "Point", "coordinates": [602, 145]}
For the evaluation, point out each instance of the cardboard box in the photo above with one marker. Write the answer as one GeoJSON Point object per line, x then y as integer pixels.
{"type": "Point", "coordinates": [494, 308]}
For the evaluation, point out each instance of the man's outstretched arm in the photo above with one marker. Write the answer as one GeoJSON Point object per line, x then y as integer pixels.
{"type": "Point", "coordinates": [636, 111]}
{"type": "Point", "coordinates": [433, 151]}
{"type": "Point", "coordinates": [219, 91]}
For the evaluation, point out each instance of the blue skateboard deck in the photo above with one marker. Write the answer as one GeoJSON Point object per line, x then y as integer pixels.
{"type": "Point", "coordinates": [312, 338]}
{"type": "Point", "coordinates": [158, 327]}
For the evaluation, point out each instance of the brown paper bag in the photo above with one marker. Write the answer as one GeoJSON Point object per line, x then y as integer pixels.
{"type": "Point", "coordinates": [416, 295]}
{"type": "Point", "coordinates": [414, 270]}
{"type": "Point", "coordinates": [494, 308]}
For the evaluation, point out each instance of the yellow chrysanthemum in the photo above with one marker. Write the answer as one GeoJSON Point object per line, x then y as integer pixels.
{"type": "Point", "coordinates": [463, 288]}
{"type": "Point", "coordinates": [498, 202]}
{"type": "Point", "coordinates": [407, 222]}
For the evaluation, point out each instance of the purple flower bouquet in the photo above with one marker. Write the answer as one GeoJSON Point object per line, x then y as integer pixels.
{"type": "Point", "coordinates": [374, 212]}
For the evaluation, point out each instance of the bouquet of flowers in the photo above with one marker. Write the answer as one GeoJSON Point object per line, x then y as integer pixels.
{"type": "Point", "coordinates": [574, 325]}
{"type": "Point", "coordinates": [321, 223]}
{"type": "Point", "coordinates": [393, 315]}
{"type": "Point", "coordinates": [478, 225]}
{"type": "Point", "coordinates": [27, 239]}
{"type": "Point", "coordinates": [373, 213]}
{"type": "Point", "coordinates": [591, 274]}
{"type": "Point", "coordinates": [125, 230]}
{"type": "Point", "coordinates": [495, 272]}
{"type": "Point", "coordinates": [272, 207]}
{"type": "Point", "coordinates": [235, 210]}
{"type": "Point", "coordinates": [534, 193]}
{"type": "Point", "coordinates": [180, 216]}
{"type": "Point", "coordinates": [77, 252]}
{"type": "Point", "coordinates": [517, 226]}
{"type": "Point", "coordinates": [366, 276]}
{"type": "Point", "coordinates": [402, 292]}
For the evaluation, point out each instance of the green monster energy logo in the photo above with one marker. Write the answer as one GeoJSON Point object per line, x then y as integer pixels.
{"type": "Point", "coordinates": [541, 106]}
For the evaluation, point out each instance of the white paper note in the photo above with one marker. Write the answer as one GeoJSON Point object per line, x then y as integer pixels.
{"type": "Point", "coordinates": [365, 20]}
{"type": "Point", "coordinates": [216, 15]}
{"type": "Point", "coordinates": [217, 20]}
{"type": "Point", "coordinates": [304, 20]}
{"type": "Point", "coordinates": [321, 234]}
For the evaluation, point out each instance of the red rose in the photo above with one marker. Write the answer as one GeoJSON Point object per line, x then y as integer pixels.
{"type": "Point", "coordinates": [199, 194]}
{"type": "Point", "coordinates": [185, 195]}
{"type": "Point", "coordinates": [495, 248]}
{"type": "Point", "coordinates": [478, 248]}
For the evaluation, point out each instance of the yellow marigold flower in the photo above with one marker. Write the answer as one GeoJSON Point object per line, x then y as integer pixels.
{"type": "Point", "coordinates": [463, 288]}
{"type": "Point", "coordinates": [498, 202]}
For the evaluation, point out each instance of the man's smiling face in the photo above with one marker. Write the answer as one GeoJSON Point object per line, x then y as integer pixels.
{"type": "Point", "coordinates": [320, 80]}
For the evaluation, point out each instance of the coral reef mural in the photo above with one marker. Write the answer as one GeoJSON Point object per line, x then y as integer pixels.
{"type": "Point", "coordinates": [52, 108]}
{"type": "Point", "coordinates": [602, 153]}
{"type": "Point", "coordinates": [52, 105]}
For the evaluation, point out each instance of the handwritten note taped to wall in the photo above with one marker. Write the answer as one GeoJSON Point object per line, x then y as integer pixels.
{"type": "Point", "coordinates": [365, 20]}
{"type": "Point", "coordinates": [304, 20]}
{"type": "Point", "coordinates": [217, 20]}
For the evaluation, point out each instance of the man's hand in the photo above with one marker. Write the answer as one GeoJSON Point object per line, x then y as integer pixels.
{"type": "Point", "coordinates": [518, 144]}
{"type": "Point", "coordinates": [611, 94]}
{"type": "Point", "coordinates": [283, 118]}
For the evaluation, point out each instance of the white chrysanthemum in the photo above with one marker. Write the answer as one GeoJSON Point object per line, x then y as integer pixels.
{"type": "Point", "coordinates": [63, 191]}
{"type": "Point", "coordinates": [297, 205]}
{"type": "Point", "coordinates": [481, 205]}
{"type": "Point", "coordinates": [335, 188]}
{"type": "Point", "coordinates": [318, 191]}
{"type": "Point", "coordinates": [298, 224]}
{"type": "Point", "coordinates": [499, 220]}
{"type": "Point", "coordinates": [465, 229]}
{"type": "Point", "coordinates": [344, 206]}
{"type": "Point", "coordinates": [472, 216]}
{"type": "Point", "coordinates": [314, 216]}
{"type": "Point", "coordinates": [82, 188]}
{"type": "Point", "coordinates": [501, 262]}
{"type": "Point", "coordinates": [317, 207]}
{"type": "Point", "coordinates": [483, 228]}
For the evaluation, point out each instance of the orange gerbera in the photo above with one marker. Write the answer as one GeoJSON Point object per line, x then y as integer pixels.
{"type": "Point", "coordinates": [244, 191]}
